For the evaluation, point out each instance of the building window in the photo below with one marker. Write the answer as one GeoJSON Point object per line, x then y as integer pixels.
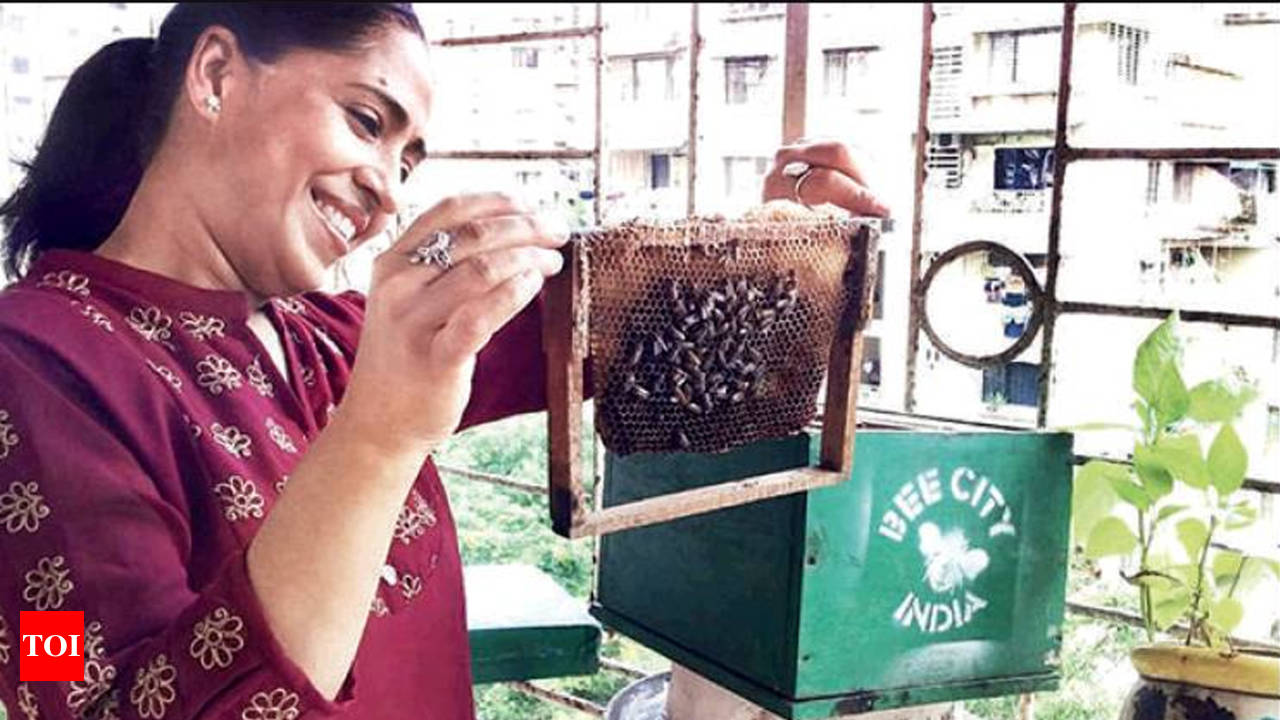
{"type": "Point", "coordinates": [524, 57]}
{"type": "Point", "coordinates": [650, 80]}
{"type": "Point", "coordinates": [845, 71]}
{"type": "Point", "coordinates": [944, 157]}
{"type": "Point", "coordinates": [1023, 168]}
{"type": "Point", "coordinates": [944, 82]}
{"type": "Point", "coordinates": [1129, 42]}
{"type": "Point", "coordinates": [877, 294]}
{"type": "Point", "coordinates": [1024, 58]}
{"type": "Point", "coordinates": [1015, 383]}
{"type": "Point", "coordinates": [20, 65]}
{"type": "Point", "coordinates": [744, 79]}
{"type": "Point", "coordinates": [1183, 179]}
{"type": "Point", "coordinates": [659, 171]}
{"type": "Point", "coordinates": [1153, 182]}
{"type": "Point", "coordinates": [1273, 424]}
{"type": "Point", "coordinates": [870, 361]}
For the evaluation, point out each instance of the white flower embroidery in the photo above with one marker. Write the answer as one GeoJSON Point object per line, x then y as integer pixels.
{"type": "Point", "coordinates": [202, 327]}
{"type": "Point", "coordinates": [379, 607]}
{"type": "Point", "coordinates": [22, 508]}
{"type": "Point", "coordinates": [308, 377]}
{"type": "Point", "coordinates": [280, 437]}
{"type": "Point", "coordinates": [240, 497]}
{"type": "Point", "coordinates": [93, 642]}
{"type": "Point", "coordinates": [410, 586]}
{"type": "Point", "coordinates": [151, 324]}
{"type": "Point", "coordinates": [234, 441]}
{"type": "Point", "coordinates": [98, 678]}
{"type": "Point", "coordinates": [97, 317]}
{"type": "Point", "coordinates": [291, 305]}
{"type": "Point", "coordinates": [66, 280]}
{"type": "Point", "coordinates": [415, 517]}
{"type": "Point", "coordinates": [48, 584]}
{"type": "Point", "coordinates": [27, 702]}
{"type": "Point", "coordinates": [279, 704]}
{"type": "Point", "coordinates": [217, 374]}
{"type": "Point", "coordinates": [153, 688]}
{"type": "Point", "coordinates": [258, 378]}
{"type": "Point", "coordinates": [8, 436]}
{"type": "Point", "coordinates": [217, 639]}
{"type": "Point", "coordinates": [284, 480]}
{"type": "Point", "coordinates": [4, 641]}
{"type": "Point", "coordinates": [168, 375]}
{"type": "Point", "coordinates": [196, 432]}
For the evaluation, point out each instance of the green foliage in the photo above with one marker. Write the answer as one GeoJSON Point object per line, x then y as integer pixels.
{"type": "Point", "coordinates": [1127, 511]}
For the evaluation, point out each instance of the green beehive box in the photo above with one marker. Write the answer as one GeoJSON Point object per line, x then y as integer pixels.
{"type": "Point", "coordinates": [937, 572]}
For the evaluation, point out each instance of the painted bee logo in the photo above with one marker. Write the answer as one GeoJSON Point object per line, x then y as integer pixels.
{"type": "Point", "coordinates": [949, 562]}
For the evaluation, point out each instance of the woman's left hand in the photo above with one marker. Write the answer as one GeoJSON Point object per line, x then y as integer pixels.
{"type": "Point", "coordinates": [835, 178]}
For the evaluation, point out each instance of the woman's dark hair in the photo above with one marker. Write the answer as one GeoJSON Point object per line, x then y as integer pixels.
{"type": "Point", "coordinates": [115, 109]}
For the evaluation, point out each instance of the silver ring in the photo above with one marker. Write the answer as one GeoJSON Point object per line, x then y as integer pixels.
{"type": "Point", "coordinates": [801, 171]}
{"type": "Point", "coordinates": [434, 252]}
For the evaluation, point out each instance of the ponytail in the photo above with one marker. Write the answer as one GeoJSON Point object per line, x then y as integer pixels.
{"type": "Point", "coordinates": [115, 110]}
{"type": "Point", "coordinates": [78, 185]}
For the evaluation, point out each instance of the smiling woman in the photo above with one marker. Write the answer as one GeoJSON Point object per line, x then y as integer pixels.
{"type": "Point", "coordinates": [192, 456]}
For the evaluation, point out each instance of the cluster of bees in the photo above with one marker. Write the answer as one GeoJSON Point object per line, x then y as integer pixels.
{"type": "Point", "coordinates": [707, 354]}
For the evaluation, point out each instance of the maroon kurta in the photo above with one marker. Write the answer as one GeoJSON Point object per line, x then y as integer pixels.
{"type": "Point", "coordinates": [145, 434]}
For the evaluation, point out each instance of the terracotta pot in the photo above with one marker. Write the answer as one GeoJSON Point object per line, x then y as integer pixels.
{"type": "Point", "coordinates": [1192, 683]}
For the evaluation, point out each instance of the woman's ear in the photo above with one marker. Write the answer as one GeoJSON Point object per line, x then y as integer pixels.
{"type": "Point", "coordinates": [209, 77]}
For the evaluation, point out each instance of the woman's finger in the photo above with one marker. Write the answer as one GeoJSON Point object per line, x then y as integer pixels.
{"type": "Point", "coordinates": [468, 238]}
{"type": "Point", "coordinates": [830, 154]}
{"type": "Point", "coordinates": [825, 185]}
{"type": "Point", "coordinates": [477, 276]}
{"type": "Point", "coordinates": [469, 328]}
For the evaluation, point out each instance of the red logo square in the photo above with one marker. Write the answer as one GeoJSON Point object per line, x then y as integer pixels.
{"type": "Point", "coordinates": [51, 645]}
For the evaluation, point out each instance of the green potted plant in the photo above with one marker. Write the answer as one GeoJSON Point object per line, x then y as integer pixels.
{"type": "Point", "coordinates": [1165, 514]}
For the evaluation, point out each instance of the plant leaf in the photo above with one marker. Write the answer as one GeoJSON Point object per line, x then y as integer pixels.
{"type": "Point", "coordinates": [1193, 534]}
{"type": "Point", "coordinates": [1227, 460]}
{"type": "Point", "coordinates": [1180, 456]}
{"type": "Point", "coordinates": [1241, 516]}
{"type": "Point", "coordinates": [1169, 605]}
{"type": "Point", "coordinates": [1130, 491]}
{"type": "Point", "coordinates": [1218, 401]}
{"type": "Point", "coordinates": [1226, 563]}
{"type": "Point", "coordinates": [1226, 614]}
{"type": "Point", "coordinates": [1169, 511]}
{"type": "Point", "coordinates": [1111, 536]}
{"type": "Point", "coordinates": [1155, 373]}
{"type": "Point", "coordinates": [1092, 497]}
{"type": "Point", "coordinates": [1155, 479]}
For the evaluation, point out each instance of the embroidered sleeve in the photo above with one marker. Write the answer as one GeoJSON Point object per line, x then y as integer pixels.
{"type": "Point", "coordinates": [93, 518]}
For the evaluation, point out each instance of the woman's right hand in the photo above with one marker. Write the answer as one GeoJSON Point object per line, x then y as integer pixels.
{"type": "Point", "coordinates": [424, 325]}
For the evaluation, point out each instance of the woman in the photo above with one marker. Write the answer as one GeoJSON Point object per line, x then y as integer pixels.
{"type": "Point", "coordinates": [191, 451]}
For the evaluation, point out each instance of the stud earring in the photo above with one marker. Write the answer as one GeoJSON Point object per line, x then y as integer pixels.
{"type": "Point", "coordinates": [213, 103]}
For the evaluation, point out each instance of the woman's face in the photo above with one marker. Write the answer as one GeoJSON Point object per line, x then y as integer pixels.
{"type": "Point", "coordinates": [308, 156]}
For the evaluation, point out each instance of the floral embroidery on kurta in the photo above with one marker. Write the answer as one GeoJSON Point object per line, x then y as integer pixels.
{"type": "Point", "coordinates": [232, 440]}
{"type": "Point", "coordinates": [4, 641]}
{"type": "Point", "coordinates": [280, 437]}
{"type": "Point", "coordinates": [27, 702]}
{"type": "Point", "coordinates": [168, 375]}
{"type": "Point", "coordinates": [291, 305]}
{"type": "Point", "coordinates": [48, 584]}
{"type": "Point", "coordinates": [240, 498]}
{"type": "Point", "coordinates": [98, 679]}
{"type": "Point", "coordinates": [284, 480]}
{"type": "Point", "coordinates": [97, 318]}
{"type": "Point", "coordinates": [415, 517]}
{"type": "Point", "coordinates": [218, 637]}
{"type": "Point", "coordinates": [410, 586]}
{"type": "Point", "coordinates": [308, 377]}
{"type": "Point", "coordinates": [379, 607]}
{"type": "Point", "coordinates": [258, 378]}
{"type": "Point", "coordinates": [66, 280]}
{"type": "Point", "coordinates": [279, 704]}
{"type": "Point", "coordinates": [217, 374]}
{"type": "Point", "coordinates": [8, 436]}
{"type": "Point", "coordinates": [152, 324]}
{"type": "Point", "coordinates": [153, 688]}
{"type": "Point", "coordinates": [201, 327]}
{"type": "Point", "coordinates": [22, 507]}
